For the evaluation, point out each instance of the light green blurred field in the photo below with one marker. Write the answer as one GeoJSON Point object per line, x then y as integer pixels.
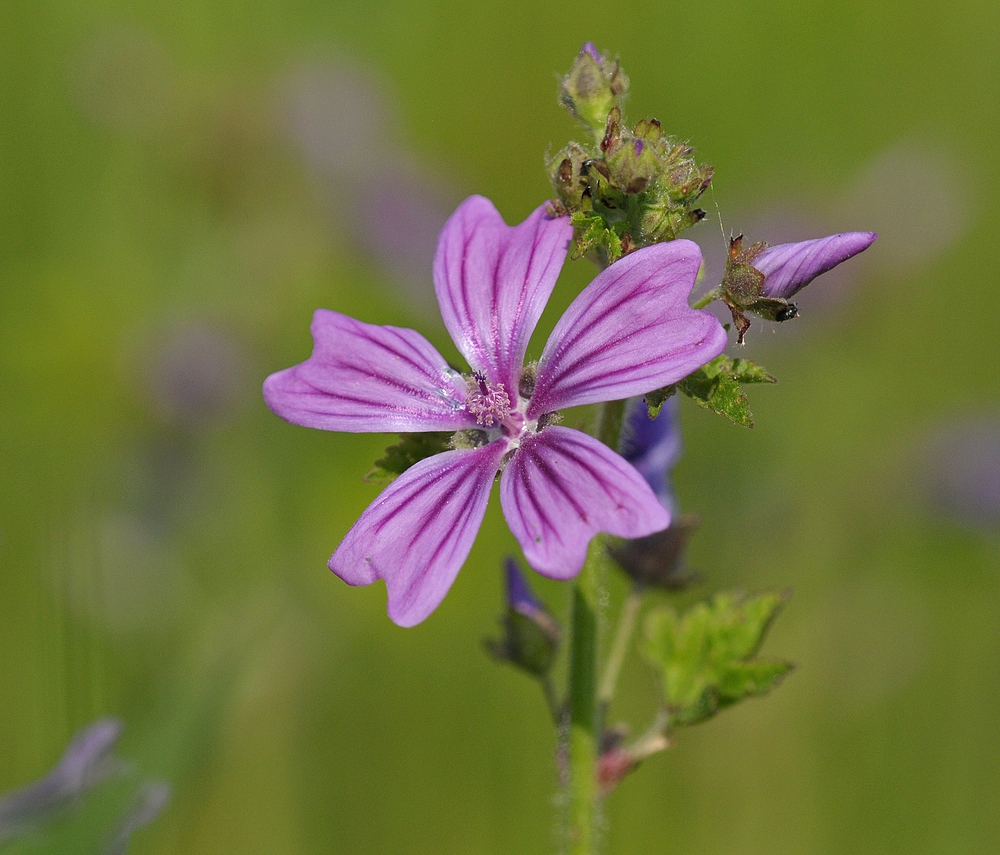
{"type": "Point", "coordinates": [162, 557]}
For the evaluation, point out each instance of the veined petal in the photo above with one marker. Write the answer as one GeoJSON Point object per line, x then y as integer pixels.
{"type": "Point", "coordinates": [369, 379]}
{"type": "Point", "coordinates": [630, 331]}
{"type": "Point", "coordinates": [561, 488]}
{"type": "Point", "coordinates": [419, 531]}
{"type": "Point", "coordinates": [789, 267]}
{"type": "Point", "coordinates": [493, 280]}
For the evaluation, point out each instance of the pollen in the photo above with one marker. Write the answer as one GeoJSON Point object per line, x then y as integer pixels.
{"type": "Point", "coordinates": [488, 402]}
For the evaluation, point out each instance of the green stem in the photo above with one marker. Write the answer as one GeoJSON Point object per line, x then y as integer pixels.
{"type": "Point", "coordinates": [584, 736]}
{"type": "Point", "coordinates": [609, 423]}
{"type": "Point", "coordinates": [653, 740]}
{"type": "Point", "coordinates": [708, 297]}
{"type": "Point", "coordinates": [619, 647]}
{"type": "Point", "coordinates": [552, 701]}
{"type": "Point", "coordinates": [583, 741]}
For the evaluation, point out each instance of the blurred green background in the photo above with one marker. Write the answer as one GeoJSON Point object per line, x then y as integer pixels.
{"type": "Point", "coordinates": [182, 184]}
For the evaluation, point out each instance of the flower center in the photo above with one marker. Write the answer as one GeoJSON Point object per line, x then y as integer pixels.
{"type": "Point", "coordinates": [488, 402]}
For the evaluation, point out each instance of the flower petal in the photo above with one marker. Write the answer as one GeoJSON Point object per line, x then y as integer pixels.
{"type": "Point", "coordinates": [366, 378]}
{"type": "Point", "coordinates": [789, 267]}
{"type": "Point", "coordinates": [561, 488]}
{"type": "Point", "coordinates": [630, 331]}
{"type": "Point", "coordinates": [418, 532]}
{"type": "Point", "coordinates": [493, 280]}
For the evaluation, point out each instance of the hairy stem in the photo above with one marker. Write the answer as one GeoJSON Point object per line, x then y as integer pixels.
{"type": "Point", "coordinates": [552, 701]}
{"type": "Point", "coordinates": [583, 742]}
{"type": "Point", "coordinates": [619, 647]}
{"type": "Point", "coordinates": [708, 297]}
{"type": "Point", "coordinates": [609, 424]}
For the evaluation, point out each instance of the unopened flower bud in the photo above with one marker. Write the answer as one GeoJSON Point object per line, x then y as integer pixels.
{"type": "Point", "coordinates": [567, 172]}
{"type": "Point", "coordinates": [612, 767]}
{"type": "Point", "coordinates": [594, 85]}
{"type": "Point", "coordinates": [789, 267]}
{"type": "Point", "coordinates": [653, 446]}
{"type": "Point", "coordinates": [658, 561]}
{"type": "Point", "coordinates": [761, 278]}
{"type": "Point", "coordinates": [632, 165]}
{"type": "Point", "coordinates": [531, 634]}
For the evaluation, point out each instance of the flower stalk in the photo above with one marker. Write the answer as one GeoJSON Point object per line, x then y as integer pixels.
{"type": "Point", "coordinates": [619, 647]}
{"type": "Point", "coordinates": [586, 713]}
{"type": "Point", "coordinates": [584, 725]}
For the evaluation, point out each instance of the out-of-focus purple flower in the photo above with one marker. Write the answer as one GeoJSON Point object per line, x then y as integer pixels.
{"type": "Point", "coordinates": [340, 119]}
{"type": "Point", "coordinates": [653, 446]}
{"type": "Point", "coordinates": [789, 267]}
{"type": "Point", "coordinates": [920, 186]}
{"type": "Point", "coordinates": [194, 373]}
{"type": "Point", "coordinates": [148, 803]}
{"type": "Point", "coordinates": [963, 471]}
{"type": "Point", "coordinates": [520, 597]}
{"type": "Point", "coordinates": [629, 332]}
{"type": "Point", "coordinates": [397, 220]}
{"type": "Point", "coordinates": [86, 762]}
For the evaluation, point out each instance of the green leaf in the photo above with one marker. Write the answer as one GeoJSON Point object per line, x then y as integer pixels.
{"type": "Point", "coordinates": [656, 399]}
{"type": "Point", "coordinates": [720, 394]}
{"type": "Point", "coordinates": [592, 233]}
{"type": "Point", "coordinates": [705, 655]}
{"type": "Point", "coordinates": [744, 371]}
{"type": "Point", "coordinates": [411, 448]}
{"type": "Point", "coordinates": [717, 386]}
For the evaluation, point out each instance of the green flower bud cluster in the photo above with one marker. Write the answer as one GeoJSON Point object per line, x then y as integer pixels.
{"type": "Point", "coordinates": [631, 187]}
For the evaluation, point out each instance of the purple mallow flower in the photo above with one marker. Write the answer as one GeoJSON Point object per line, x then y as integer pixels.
{"type": "Point", "coordinates": [789, 267]}
{"type": "Point", "coordinates": [629, 332]}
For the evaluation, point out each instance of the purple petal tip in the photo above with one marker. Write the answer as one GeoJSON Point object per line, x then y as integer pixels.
{"type": "Point", "coordinates": [519, 596]}
{"type": "Point", "coordinates": [591, 49]}
{"type": "Point", "coordinates": [789, 267]}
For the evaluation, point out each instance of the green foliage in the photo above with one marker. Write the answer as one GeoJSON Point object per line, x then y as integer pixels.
{"type": "Point", "coordinates": [717, 386]}
{"type": "Point", "coordinates": [411, 448]}
{"type": "Point", "coordinates": [705, 656]}
{"type": "Point", "coordinates": [594, 235]}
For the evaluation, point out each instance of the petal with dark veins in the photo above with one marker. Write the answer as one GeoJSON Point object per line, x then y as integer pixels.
{"type": "Point", "coordinates": [562, 487]}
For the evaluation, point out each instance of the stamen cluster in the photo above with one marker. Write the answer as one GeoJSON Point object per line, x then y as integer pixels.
{"type": "Point", "coordinates": [488, 402]}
